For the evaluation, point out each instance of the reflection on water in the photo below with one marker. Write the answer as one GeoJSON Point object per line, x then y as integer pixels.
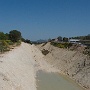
{"type": "Point", "coordinates": [54, 81]}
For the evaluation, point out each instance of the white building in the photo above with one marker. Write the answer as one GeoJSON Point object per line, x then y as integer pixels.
{"type": "Point", "coordinates": [74, 40]}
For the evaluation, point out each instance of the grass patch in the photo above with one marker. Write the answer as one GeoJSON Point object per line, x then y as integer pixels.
{"type": "Point", "coordinates": [4, 46]}
{"type": "Point", "coordinates": [62, 45]}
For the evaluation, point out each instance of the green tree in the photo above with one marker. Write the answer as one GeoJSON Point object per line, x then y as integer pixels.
{"type": "Point", "coordinates": [65, 39]}
{"type": "Point", "coordinates": [28, 41]}
{"type": "Point", "coordinates": [59, 38]}
{"type": "Point", "coordinates": [23, 40]}
{"type": "Point", "coordinates": [7, 36]}
{"type": "Point", "coordinates": [15, 35]}
{"type": "Point", "coordinates": [88, 35]}
{"type": "Point", "coordinates": [2, 36]}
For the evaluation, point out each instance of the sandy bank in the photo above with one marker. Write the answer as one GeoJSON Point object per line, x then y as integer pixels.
{"type": "Point", "coordinates": [74, 64]}
{"type": "Point", "coordinates": [18, 67]}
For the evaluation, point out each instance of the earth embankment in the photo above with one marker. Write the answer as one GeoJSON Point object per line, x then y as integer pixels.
{"type": "Point", "coordinates": [74, 64]}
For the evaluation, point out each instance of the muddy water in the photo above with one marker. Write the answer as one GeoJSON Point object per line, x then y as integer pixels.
{"type": "Point", "coordinates": [54, 81]}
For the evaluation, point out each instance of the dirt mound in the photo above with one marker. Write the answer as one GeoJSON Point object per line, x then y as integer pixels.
{"type": "Point", "coordinates": [72, 63]}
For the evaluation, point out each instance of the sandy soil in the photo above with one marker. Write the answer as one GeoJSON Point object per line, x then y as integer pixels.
{"type": "Point", "coordinates": [74, 64]}
{"type": "Point", "coordinates": [18, 67]}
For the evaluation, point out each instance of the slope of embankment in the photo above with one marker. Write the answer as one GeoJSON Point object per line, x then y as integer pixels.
{"type": "Point", "coordinates": [74, 64]}
{"type": "Point", "coordinates": [18, 67]}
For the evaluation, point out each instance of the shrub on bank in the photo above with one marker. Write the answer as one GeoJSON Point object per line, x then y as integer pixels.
{"type": "Point", "coordinates": [9, 40]}
{"type": "Point", "coordinates": [4, 46]}
{"type": "Point", "coordinates": [61, 45]}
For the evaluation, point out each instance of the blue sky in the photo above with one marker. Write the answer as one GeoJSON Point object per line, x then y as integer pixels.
{"type": "Point", "coordinates": [43, 19]}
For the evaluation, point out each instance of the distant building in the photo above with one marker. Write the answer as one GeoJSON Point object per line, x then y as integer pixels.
{"type": "Point", "coordinates": [74, 40]}
{"type": "Point", "coordinates": [54, 40]}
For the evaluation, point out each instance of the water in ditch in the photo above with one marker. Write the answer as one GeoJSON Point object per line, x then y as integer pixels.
{"type": "Point", "coordinates": [55, 81]}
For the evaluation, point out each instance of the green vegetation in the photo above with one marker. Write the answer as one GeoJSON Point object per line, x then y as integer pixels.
{"type": "Point", "coordinates": [59, 38]}
{"type": "Point", "coordinates": [65, 39]}
{"type": "Point", "coordinates": [82, 37]}
{"type": "Point", "coordinates": [61, 45]}
{"type": "Point", "coordinates": [4, 45]}
{"type": "Point", "coordinates": [3, 36]}
{"type": "Point", "coordinates": [14, 35]}
{"type": "Point", "coordinates": [27, 41]}
{"type": "Point", "coordinates": [8, 40]}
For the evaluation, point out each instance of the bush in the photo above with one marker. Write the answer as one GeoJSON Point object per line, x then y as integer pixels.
{"type": "Point", "coordinates": [13, 38]}
{"type": "Point", "coordinates": [14, 35]}
{"type": "Point", "coordinates": [2, 36]}
{"type": "Point", "coordinates": [18, 43]}
{"type": "Point", "coordinates": [4, 43]}
{"type": "Point", "coordinates": [4, 46]}
{"type": "Point", "coordinates": [27, 41]}
{"type": "Point", "coordinates": [61, 45]}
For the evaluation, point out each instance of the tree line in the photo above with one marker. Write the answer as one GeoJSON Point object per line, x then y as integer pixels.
{"type": "Point", "coordinates": [13, 35]}
{"type": "Point", "coordinates": [8, 40]}
{"type": "Point", "coordinates": [87, 37]}
{"type": "Point", "coordinates": [65, 39]}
